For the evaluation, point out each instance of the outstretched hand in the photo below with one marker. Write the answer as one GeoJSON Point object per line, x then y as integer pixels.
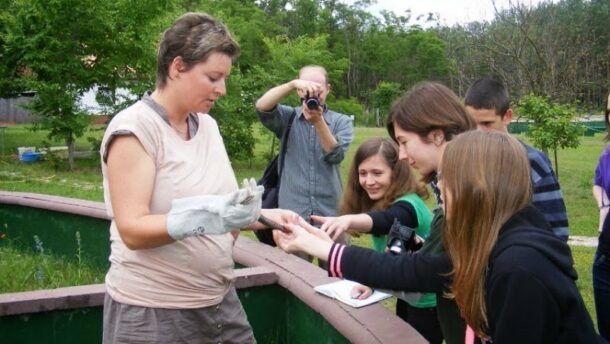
{"type": "Point", "coordinates": [278, 216]}
{"type": "Point", "coordinates": [303, 237]}
{"type": "Point", "coordinates": [334, 226]}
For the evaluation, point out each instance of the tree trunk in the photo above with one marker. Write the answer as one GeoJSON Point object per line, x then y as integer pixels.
{"type": "Point", "coordinates": [70, 143]}
{"type": "Point", "coordinates": [376, 117]}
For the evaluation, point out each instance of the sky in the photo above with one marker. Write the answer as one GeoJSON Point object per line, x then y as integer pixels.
{"type": "Point", "coordinates": [450, 11]}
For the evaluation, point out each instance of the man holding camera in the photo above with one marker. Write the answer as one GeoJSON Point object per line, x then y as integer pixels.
{"type": "Point", "coordinates": [310, 183]}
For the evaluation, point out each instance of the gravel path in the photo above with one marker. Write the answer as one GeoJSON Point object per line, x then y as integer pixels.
{"type": "Point", "coordinates": [577, 240]}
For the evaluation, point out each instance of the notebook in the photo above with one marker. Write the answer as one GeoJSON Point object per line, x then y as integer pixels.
{"type": "Point", "coordinates": [341, 290]}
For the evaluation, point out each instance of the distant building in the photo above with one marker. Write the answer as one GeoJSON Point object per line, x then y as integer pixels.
{"type": "Point", "coordinates": [12, 111]}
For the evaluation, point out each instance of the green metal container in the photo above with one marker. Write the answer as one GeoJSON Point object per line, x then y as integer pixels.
{"type": "Point", "coordinates": [275, 289]}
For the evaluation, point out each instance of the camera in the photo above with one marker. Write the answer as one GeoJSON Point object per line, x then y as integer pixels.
{"type": "Point", "coordinates": [402, 239]}
{"type": "Point", "coordinates": [312, 102]}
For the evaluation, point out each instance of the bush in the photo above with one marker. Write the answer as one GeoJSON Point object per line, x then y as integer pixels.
{"type": "Point", "coordinates": [349, 107]}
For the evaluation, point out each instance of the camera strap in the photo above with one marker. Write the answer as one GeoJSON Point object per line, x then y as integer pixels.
{"type": "Point", "coordinates": [284, 142]}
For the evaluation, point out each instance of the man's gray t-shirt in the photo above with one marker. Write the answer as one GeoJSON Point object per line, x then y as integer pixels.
{"type": "Point", "coordinates": [310, 181]}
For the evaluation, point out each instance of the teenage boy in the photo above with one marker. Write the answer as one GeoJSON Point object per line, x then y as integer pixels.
{"type": "Point", "coordinates": [488, 102]}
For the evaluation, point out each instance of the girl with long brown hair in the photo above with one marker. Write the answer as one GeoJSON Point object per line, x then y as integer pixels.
{"type": "Point", "coordinates": [423, 122]}
{"type": "Point", "coordinates": [380, 189]}
{"type": "Point", "coordinates": [513, 279]}
{"type": "Point", "coordinates": [377, 180]}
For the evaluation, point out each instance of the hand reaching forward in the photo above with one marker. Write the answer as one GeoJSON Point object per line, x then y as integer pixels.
{"type": "Point", "coordinates": [303, 237]}
{"type": "Point", "coordinates": [279, 216]}
{"type": "Point", "coordinates": [333, 226]}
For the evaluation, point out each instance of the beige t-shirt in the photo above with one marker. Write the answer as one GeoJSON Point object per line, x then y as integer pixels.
{"type": "Point", "coordinates": [190, 273]}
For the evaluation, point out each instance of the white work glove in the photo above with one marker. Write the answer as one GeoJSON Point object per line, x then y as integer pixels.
{"type": "Point", "coordinates": [215, 214]}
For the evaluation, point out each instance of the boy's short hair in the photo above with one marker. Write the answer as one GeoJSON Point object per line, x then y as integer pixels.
{"type": "Point", "coordinates": [488, 94]}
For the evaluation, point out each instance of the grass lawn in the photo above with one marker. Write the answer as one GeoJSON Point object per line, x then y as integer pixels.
{"type": "Point", "coordinates": [43, 270]}
{"type": "Point", "coordinates": [576, 169]}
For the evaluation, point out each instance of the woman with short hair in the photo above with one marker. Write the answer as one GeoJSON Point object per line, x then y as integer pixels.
{"type": "Point", "coordinates": [174, 202]}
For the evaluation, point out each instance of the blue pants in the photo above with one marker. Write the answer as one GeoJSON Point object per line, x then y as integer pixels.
{"type": "Point", "coordinates": [601, 292]}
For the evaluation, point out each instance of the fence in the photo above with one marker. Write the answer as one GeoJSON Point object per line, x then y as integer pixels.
{"type": "Point", "coordinates": [589, 128]}
{"type": "Point", "coordinates": [11, 111]}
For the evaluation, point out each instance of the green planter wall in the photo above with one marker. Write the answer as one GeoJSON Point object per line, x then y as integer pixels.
{"type": "Point", "coordinates": [276, 289]}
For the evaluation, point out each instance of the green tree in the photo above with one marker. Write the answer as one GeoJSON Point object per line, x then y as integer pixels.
{"type": "Point", "coordinates": [235, 111]}
{"type": "Point", "coordinates": [557, 48]}
{"type": "Point", "coordinates": [8, 62]}
{"type": "Point", "coordinates": [63, 48]}
{"type": "Point", "coordinates": [287, 56]}
{"type": "Point", "coordinates": [552, 126]}
{"type": "Point", "coordinates": [349, 106]}
{"type": "Point", "coordinates": [382, 98]}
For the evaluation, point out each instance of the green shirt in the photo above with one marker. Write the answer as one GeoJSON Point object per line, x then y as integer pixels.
{"type": "Point", "coordinates": [424, 218]}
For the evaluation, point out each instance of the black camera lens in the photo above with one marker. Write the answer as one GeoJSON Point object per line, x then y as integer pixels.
{"type": "Point", "coordinates": [396, 247]}
{"type": "Point", "coordinates": [312, 103]}
{"type": "Point", "coordinates": [402, 239]}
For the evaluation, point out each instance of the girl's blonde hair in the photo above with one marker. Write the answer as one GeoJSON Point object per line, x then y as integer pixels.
{"type": "Point", "coordinates": [486, 179]}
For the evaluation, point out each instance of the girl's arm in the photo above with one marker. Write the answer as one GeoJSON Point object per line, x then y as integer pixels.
{"type": "Point", "coordinates": [382, 220]}
{"type": "Point", "coordinates": [409, 272]}
{"type": "Point", "coordinates": [374, 222]}
{"type": "Point", "coordinates": [602, 203]}
{"type": "Point", "coordinates": [334, 226]}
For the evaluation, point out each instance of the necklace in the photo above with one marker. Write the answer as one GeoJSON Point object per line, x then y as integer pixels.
{"type": "Point", "coordinates": [183, 132]}
{"type": "Point", "coordinates": [180, 131]}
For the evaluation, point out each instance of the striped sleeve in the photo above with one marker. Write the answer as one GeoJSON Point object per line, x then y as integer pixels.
{"type": "Point", "coordinates": [334, 260]}
{"type": "Point", "coordinates": [547, 196]}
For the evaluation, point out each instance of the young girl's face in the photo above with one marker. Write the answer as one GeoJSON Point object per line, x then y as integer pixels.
{"type": "Point", "coordinates": [422, 155]}
{"type": "Point", "coordinates": [375, 176]}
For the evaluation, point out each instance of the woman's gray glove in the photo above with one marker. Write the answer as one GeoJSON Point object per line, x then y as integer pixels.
{"type": "Point", "coordinates": [215, 214]}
